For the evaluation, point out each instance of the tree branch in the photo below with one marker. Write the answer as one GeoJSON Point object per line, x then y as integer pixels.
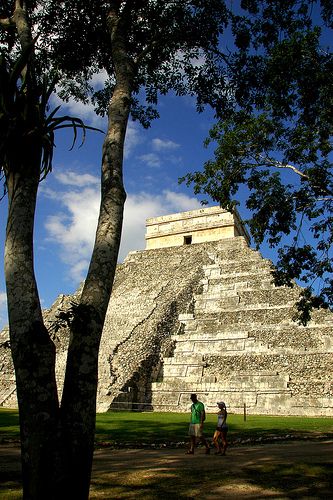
{"type": "Point", "coordinates": [20, 17]}
{"type": "Point", "coordinates": [223, 56]}
{"type": "Point", "coordinates": [145, 51]}
{"type": "Point", "coordinates": [279, 164]}
{"type": "Point", "coordinates": [267, 161]}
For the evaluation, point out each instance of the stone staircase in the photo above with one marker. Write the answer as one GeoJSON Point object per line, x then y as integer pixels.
{"type": "Point", "coordinates": [8, 397]}
{"type": "Point", "coordinates": [202, 318]}
{"type": "Point", "coordinates": [241, 345]}
{"type": "Point", "coordinates": [151, 289]}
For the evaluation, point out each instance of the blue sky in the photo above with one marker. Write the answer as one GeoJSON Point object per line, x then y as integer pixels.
{"type": "Point", "coordinates": [68, 200]}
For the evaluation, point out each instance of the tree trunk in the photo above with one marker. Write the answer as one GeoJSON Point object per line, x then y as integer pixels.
{"type": "Point", "coordinates": [78, 406]}
{"type": "Point", "coordinates": [32, 349]}
{"type": "Point", "coordinates": [58, 443]}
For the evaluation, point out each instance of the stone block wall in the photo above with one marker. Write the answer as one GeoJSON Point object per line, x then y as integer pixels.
{"type": "Point", "coordinates": [241, 345]}
{"type": "Point", "coordinates": [197, 226]}
{"type": "Point", "coordinates": [60, 336]}
{"type": "Point", "coordinates": [202, 318]}
{"type": "Point", "coordinates": [151, 289]}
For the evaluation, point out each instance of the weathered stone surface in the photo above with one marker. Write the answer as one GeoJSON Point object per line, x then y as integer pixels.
{"type": "Point", "coordinates": [196, 226]}
{"type": "Point", "coordinates": [159, 285]}
{"type": "Point", "coordinates": [253, 353]}
{"type": "Point", "coordinates": [59, 333]}
{"type": "Point", "coordinates": [202, 318]}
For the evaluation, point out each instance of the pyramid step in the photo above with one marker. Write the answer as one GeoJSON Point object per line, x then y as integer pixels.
{"type": "Point", "coordinates": [250, 298]}
{"type": "Point", "coordinates": [250, 381]}
{"type": "Point", "coordinates": [213, 321]}
{"type": "Point", "coordinates": [191, 359]}
{"type": "Point", "coordinates": [255, 385]}
{"type": "Point", "coordinates": [257, 381]}
{"type": "Point", "coordinates": [202, 326]}
{"type": "Point", "coordinates": [183, 371]}
{"type": "Point", "coordinates": [210, 346]}
{"type": "Point", "coordinates": [213, 336]}
{"type": "Point", "coordinates": [291, 333]}
{"type": "Point", "coordinates": [225, 278]}
{"type": "Point", "coordinates": [263, 401]}
{"type": "Point", "coordinates": [232, 267]}
{"type": "Point", "coordinates": [207, 384]}
{"type": "Point", "coordinates": [7, 394]}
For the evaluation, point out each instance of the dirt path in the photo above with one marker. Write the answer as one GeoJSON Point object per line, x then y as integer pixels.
{"type": "Point", "coordinates": [289, 470]}
{"type": "Point", "coordinates": [298, 469]}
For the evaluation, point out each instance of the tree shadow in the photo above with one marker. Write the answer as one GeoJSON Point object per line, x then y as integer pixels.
{"type": "Point", "coordinates": [264, 472]}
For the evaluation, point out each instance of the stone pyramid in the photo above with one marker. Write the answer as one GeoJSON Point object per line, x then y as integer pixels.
{"type": "Point", "coordinates": [240, 344]}
{"type": "Point", "coordinates": [197, 311]}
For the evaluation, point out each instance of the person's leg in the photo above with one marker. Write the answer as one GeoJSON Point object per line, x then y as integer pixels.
{"type": "Point", "coordinates": [191, 433]}
{"type": "Point", "coordinates": [192, 444]}
{"type": "Point", "coordinates": [216, 441]}
{"type": "Point", "coordinates": [206, 445]}
{"type": "Point", "coordinates": [224, 442]}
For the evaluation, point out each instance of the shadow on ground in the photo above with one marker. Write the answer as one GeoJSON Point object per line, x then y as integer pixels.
{"type": "Point", "coordinates": [288, 470]}
{"type": "Point", "coordinates": [299, 469]}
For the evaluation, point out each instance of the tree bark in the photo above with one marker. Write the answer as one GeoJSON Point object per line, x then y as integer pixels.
{"type": "Point", "coordinates": [78, 405]}
{"type": "Point", "coordinates": [58, 442]}
{"type": "Point", "coordinates": [32, 349]}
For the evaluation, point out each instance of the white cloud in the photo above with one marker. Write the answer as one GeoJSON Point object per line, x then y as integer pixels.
{"type": "Point", "coordinates": [3, 300]}
{"type": "Point", "coordinates": [74, 228]}
{"type": "Point", "coordinates": [85, 112]}
{"type": "Point", "coordinates": [164, 145]}
{"type": "Point", "coordinates": [98, 79]}
{"type": "Point", "coordinates": [150, 159]}
{"type": "Point", "coordinates": [175, 160]}
{"type": "Point", "coordinates": [3, 309]}
{"type": "Point", "coordinates": [132, 139]}
{"type": "Point", "coordinates": [180, 202]}
{"type": "Point", "coordinates": [70, 178]}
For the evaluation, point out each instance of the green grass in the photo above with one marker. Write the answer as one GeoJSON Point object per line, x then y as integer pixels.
{"type": "Point", "coordinates": [189, 479]}
{"type": "Point", "coordinates": [9, 424]}
{"type": "Point", "coordinates": [147, 428]}
{"type": "Point", "coordinates": [127, 427]}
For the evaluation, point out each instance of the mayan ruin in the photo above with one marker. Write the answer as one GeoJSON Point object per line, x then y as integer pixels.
{"type": "Point", "coordinates": [197, 311]}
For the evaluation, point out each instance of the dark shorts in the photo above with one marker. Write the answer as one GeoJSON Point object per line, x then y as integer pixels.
{"type": "Point", "coordinates": [224, 428]}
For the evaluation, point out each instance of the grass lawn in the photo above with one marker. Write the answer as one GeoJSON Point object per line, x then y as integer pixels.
{"type": "Point", "coordinates": [147, 428]}
{"type": "Point", "coordinates": [128, 427]}
{"type": "Point", "coordinates": [130, 473]}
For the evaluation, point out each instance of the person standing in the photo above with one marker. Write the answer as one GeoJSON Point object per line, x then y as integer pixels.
{"type": "Point", "coordinates": [195, 431]}
{"type": "Point", "coordinates": [220, 434]}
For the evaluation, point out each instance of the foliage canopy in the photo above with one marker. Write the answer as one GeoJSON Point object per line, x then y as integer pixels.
{"type": "Point", "coordinates": [276, 139]}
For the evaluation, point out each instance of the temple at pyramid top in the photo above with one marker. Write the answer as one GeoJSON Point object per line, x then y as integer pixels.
{"type": "Point", "coordinates": [196, 226]}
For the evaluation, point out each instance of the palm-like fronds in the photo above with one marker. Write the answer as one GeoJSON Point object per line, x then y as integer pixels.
{"type": "Point", "coordinates": [24, 123]}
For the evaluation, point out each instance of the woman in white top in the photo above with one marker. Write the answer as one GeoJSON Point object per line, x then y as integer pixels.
{"type": "Point", "coordinates": [220, 434]}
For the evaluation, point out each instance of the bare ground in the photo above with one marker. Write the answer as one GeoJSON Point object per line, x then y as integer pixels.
{"type": "Point", "coordinates": [298, 469]}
